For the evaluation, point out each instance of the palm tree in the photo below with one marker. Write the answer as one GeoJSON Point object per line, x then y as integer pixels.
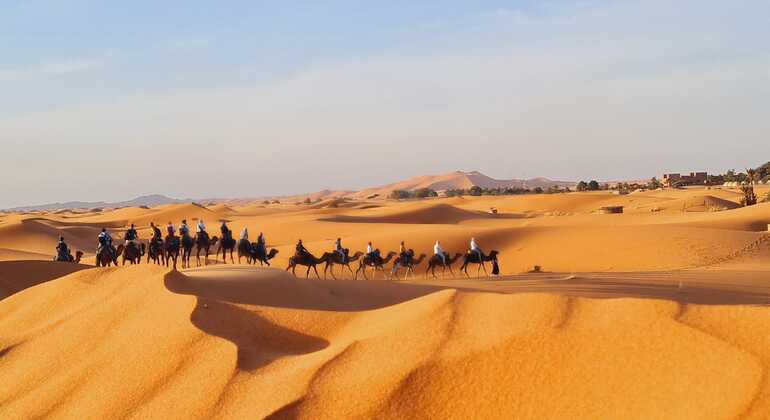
{"type": "Point", "coordinates": [751, 176]}
{"type": "Point", "coordinates": [749, 198]}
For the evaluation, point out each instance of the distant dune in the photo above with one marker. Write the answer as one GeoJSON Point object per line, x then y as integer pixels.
{"type": "Point", "coordinates": [458, 180]}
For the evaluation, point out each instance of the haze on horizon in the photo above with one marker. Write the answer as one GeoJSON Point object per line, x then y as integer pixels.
{"type": "Point", "coordinates": [195, 99]}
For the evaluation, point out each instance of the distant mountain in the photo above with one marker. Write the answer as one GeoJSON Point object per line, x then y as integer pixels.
{"type": "Point", "coordinates": [460, 180]}
{"type": "Point", "coordinates": [145, 200]}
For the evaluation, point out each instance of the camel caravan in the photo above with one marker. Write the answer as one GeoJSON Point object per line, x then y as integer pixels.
{"type": "Point", "coordinates": [372, 260]}
{"type": "Point", "coordinates": [166, 251]}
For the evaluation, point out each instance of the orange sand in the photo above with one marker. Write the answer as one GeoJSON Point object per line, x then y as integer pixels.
{"type": "Point", "coordinates": [655, 313]}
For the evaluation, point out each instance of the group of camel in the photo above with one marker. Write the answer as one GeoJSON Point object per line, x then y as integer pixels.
{"type": "Point", "coordinates": [377, 263]}
{"type": "Point", "coordinates": [166, 252]}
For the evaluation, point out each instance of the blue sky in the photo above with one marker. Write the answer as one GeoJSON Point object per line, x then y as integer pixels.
{"type": "Point", "coordinates": [247, 98]}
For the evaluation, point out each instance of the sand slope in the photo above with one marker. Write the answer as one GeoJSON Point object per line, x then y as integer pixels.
{"type": "Point", "coordinates": [121, 343]}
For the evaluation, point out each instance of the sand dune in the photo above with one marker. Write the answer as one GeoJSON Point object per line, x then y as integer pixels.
{"type": "Point", "coordinates": [139, 342]}
{"type": "Point", "coordinates": [647, 314]}
{"type": "Point", "coordinates": [16, 276]}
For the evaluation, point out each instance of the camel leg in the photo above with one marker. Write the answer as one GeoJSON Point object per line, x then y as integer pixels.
{"type": "Point", "coordinates": [316, 272]}
{"type": "Point", "coordinates": [232, 260]}
{"type": "Point", "coordinates": [485, 269]}
{"type": "Point", "coordinates": [350, 269]}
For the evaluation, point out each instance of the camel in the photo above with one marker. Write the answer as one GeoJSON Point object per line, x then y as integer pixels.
{"type": "Point", "coordinates": [307, 260]}
{"type": "Point", "coordinates": [171, 249]}
{"type": "Point", "coordinates": [131, 253]}
{"type": "Point", "coordinates": [104, 259]}
{"type": "Point", "coordinates": [378, 263]}
{"type": "Point", "coordinates": [245, 249]}
{"type": "Point", "coordinates": [226, 244]}
{"type": "Point", "coordinates": [155, 252]}
{"type": "Point", "coordinates": [473, 258]}
{"type": "Point", "coordinates": [70, 258]}
{"type": "Point", "coordinates": [335, 258]}
{"type": "Point", "coordinates": [258, 254]}
{"type": "Point", "coordinates": [436, 261]}
{"type": "Point", "coordinates": [411, 263]}
{"type": "Point", "coordinates": [202, 242]}
{"type": "Point", "coordinates": [254, 252]}
{"type": "Point", "coordinates": [187, 245]}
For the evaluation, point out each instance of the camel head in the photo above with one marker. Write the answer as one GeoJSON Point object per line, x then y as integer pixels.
{"type": "Point", "coordinates": [78, 256]}
{"type": "Point", "coordinates": [214, 240]}
{"type": "Point", "coordinates": [355, 256]}
{"type": "Point", "coordinates": [272, 254]}
{"type": "Point", "coordinates": [493, 255]}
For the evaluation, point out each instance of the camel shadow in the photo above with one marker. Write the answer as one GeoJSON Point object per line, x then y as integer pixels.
{"type": "Point", "coordinates": [259, 341]}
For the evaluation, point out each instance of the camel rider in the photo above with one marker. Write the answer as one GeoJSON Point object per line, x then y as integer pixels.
{"type": "Point", "coordinates": [200, 229]}
{"type": "Point", "coordinates": [105, 241]}
{"type": "Point", "coordinates": [371, 253]}
{"type": "Point", "coordinates": [226, 233]}
{"type": "Point", "coordinates": [403, 254]}
{"type": "Point", "coordinates": [475, 249]}
{"type": "Point", "coordinates": [62, 250]}
{"type": "Point", "coordinates": [132, 237]}
{"type": "Point", "coordinates": [184, 230]}
{"type": "Point", "coordinates": [245, 233]}
{"type": "Point", "coordinates": [261, 239]}
{"type": "Point", "coordinates": [170, 229]}
{"type": "Point", "coordinates": [340, 250]}
{"type": "Point", "coordinates": [402, 258]}
{"type": "Point", "coordinates": [157, 236]}
{"type": "Point", "coordinates": [301, 250]}
{"type": "Point", "coordinates": [440, 252]}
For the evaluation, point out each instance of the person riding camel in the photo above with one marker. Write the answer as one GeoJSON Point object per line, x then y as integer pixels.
{"type": "Point", "coordinates": [170, 229]}
{"type": "Point", "coordinates": [371, 253]}
{"type": "Point", "coordinates": [245, 233]}
{"type": "Point", "coordinates": [62, 250]}
{"type": "Point", "coordinates": [403, 254]}
{"type": "Point", "coordinates": [132, 237]}
{"type": "Point", "coordinates": [184, 230]}
{"type": "Point", "coordinates": [476, 250]}
{"type": "Point", "coordinates": [226, 232]}
{"type": "Point", "coordinates": [403, 258]}
{"type": "Point", "coordinates": [301, 251]}
{"type": "Point", "coordinates": [200, 229]}
{"type": "Point", "coordinates": [440, 252]}
{"type": "Point", "coordinates": [157, 236]}
{"type": "Point", "coordinates": [340, 250]}
{"type": "Point", "coordinates": [105, 241]}
{"type": "Point", "coordinates": [261, 239]}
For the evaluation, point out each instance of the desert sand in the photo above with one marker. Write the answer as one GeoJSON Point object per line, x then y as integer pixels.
{"type": "Point", "coordinates": [659, 312]}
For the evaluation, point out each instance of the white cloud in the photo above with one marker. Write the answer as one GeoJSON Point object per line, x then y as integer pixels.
{"type": "Point", "coordinates": [50, 69]}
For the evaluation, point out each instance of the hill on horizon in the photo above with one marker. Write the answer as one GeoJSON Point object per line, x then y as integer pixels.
{"type": "Point", "coordinates": [459, 180]}
{"type": "Point", "coordinates": [151, 200]}
{"type": "Point", "coordinates": [452, 180]}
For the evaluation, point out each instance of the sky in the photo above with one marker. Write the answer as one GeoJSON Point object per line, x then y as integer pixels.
{"type": "Point", "coordinates": [110, 100]}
